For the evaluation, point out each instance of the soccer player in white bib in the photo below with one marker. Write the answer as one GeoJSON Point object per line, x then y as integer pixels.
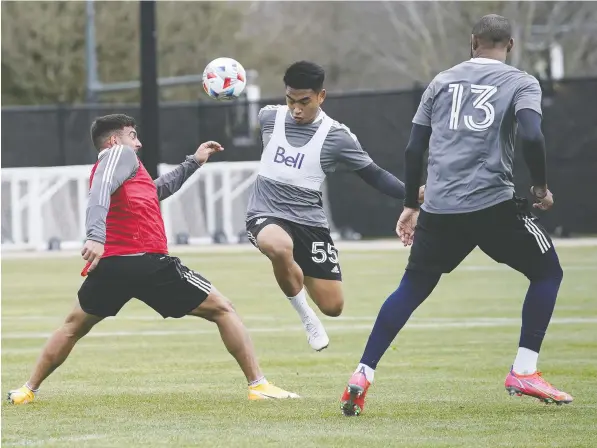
{"type": "Point", "coordinates": [285, 216]}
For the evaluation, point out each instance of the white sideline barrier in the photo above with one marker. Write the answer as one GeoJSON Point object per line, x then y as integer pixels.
{"type": "Point", "coordinates": [50, 202]}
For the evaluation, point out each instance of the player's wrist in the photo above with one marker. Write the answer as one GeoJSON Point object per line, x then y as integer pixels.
{"type": "Point", "coordinates": [96, 239]}
{"type": "Point", "coordinates": [194, 158]}
{"type": "Point", "coordinates": [412, 203]}
{"type": "Point", "coordinates": [539, 191]}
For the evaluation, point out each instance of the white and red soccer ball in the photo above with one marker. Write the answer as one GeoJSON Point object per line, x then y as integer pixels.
{"type": "Point", "coordinates": [224, 79]}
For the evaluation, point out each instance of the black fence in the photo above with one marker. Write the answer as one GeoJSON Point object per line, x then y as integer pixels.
{"type": "Point", "coordinates": [59, 135]}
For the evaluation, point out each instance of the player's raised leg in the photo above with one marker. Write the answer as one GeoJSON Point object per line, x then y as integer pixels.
{"type": "Point", "coordinates": [276, 243]}
{"type": "Point", "coordinates": [327, 295]}
{"type": "Point", "coordinates": [76, 325]}
{"type": "Point", "coordinates": [216, 308]}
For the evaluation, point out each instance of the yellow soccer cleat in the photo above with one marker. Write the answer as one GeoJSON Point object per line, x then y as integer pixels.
{"type": "Point", "coordinates": [267, 390]}
{"type": "Point", "coordinates": [23, 395]}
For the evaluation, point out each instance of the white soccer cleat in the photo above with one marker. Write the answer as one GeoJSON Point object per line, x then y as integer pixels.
{"type": "Point", "coordinates": [316, 334]}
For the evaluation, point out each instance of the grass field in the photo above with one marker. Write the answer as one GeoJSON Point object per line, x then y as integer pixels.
{"type": "Point", "coordinates": [137, 380]}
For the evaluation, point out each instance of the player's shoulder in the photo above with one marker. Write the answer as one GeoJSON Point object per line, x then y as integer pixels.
{"type": "Point", "coordinates": [448, 74]}
{"type": "Point", "coordinates": [526, 78]}
{"type": "Point", "coordinates": [273, 107]}
{"type": "Point", "coordinates": [117, 152]}
{"type": "Point", "coordinates": [270, 109]}
{"type": "Point", "coordinates": [339, 131]}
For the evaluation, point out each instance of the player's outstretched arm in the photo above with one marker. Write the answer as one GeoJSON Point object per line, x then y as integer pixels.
{"type": "Point", "coordinates": [527, 107]}
{"type": "Point", "coordinates": [382, 180]}
{"type": "Point", "coordinates": [414, 157]}
{"type": "Point", "coordinates": [533, 150]}
{"type": "Point", "coordinates": [169, 183]}
{"type": "Point", "coordinates": [116, 165]}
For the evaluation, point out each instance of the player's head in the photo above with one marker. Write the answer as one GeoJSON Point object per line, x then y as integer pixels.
{"type": "Point", "coordinates": [492, 35]}
{"type": "Point", "coordinates": [115, 129]}
{"type": "Point", "coordinates": [304, 90]}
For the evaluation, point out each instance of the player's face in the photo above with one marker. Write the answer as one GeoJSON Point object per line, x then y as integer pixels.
{"type": "Point", "coordinates": [304, 104]}
{"type": "Point", "coordinates": [128, 137]}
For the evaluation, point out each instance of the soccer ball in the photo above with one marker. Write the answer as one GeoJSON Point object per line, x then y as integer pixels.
{"type": "Point", "coordinates": [224, 79]}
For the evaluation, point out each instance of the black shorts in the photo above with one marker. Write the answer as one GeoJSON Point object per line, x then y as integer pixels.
{"type": "Point", "coordinates": [161, 281]}
{"type": "Point", "coordinates": [314, 249]}
{"type": "Point", "coordinates": [507, 232]}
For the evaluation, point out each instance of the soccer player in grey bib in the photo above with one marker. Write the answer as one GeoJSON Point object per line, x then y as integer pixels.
{"type": "Point", "coordinates": [285, 216]}
{"type": "Point", "coordinates": [468, 118]}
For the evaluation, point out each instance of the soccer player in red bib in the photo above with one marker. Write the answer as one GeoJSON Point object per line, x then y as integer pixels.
{"type": "Point", "coordinates": [127, 257]}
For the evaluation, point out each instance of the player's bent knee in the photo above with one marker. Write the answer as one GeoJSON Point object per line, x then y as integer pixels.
{"type": "Point", "coordinates": [275, 243]}
{"type": "Point", "coordinates": [78, 323]}
{"type": "Point", "coordinates": [276, 250]}
{"type": "Point", "coordinates": [550, 270]}
{"type": "Point", "coordinates": [214, 307]}
{"type": "Point", "coordinates": [333, 310]}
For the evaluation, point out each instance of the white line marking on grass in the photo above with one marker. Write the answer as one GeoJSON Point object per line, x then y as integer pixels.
{"type": "Point", "coordinates": [469, 323]}
{"type": "Point", "coordinates": [382, 245]}
{"type": "Point", "coordinates": [503, 267]}
{"type": "Point", "coordinates": [26, 442]}
{"type": "Point", "coordinates": [271, 318]}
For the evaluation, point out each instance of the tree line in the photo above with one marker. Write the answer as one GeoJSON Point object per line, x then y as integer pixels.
{"type": "Point", "coordinates": [362, 45]}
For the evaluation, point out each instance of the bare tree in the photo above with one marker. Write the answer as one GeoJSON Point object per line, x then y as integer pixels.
{"type": "Point", "coordinates": [42, 58]}
{"type": "Point", "coordinates": [363, 45]}
{"type": "Point", "coordinates": [43, 46]}
{"type": "Point", "coordinates": [391, 45]}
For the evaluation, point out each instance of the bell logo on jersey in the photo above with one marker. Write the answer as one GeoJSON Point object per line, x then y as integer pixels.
{"type": "Point", "coordinates": [293, 162]}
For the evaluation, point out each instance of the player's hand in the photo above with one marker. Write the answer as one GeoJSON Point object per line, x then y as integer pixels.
{"type": "Point", "coordinates": [205, 150]}
{"type": "Point", "coordinates": [543, 198]}
{"type": "Point", "coordinates": [421, 194]}
{"type": "Point", "coordinates": [92, 253]}
{"type": "Point", "coordinates": [406, 225]}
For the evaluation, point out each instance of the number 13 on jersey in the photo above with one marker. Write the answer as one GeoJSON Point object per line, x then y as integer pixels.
{"type": "Point", "coordinates": [481, 101]}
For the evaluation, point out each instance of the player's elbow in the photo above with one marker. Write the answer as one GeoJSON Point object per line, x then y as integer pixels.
{"type": "Point", "coordinates": [532, 135]}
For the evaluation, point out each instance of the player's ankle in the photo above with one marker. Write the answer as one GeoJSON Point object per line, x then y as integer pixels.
{"type": "Point", "coordinates": [258, 381]}
{"type": "Point", "coordinates": [32, 389]}
{"type": "Point", "coordinates": [299, 303]}
{"type": "Point", "coordinates": [298, 296]}
{"type": "Point", "coordinates": [525, 362]}
{"type": "Point", "coordinates": [366, 370]}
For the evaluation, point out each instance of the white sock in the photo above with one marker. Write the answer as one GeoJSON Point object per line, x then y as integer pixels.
{"type": "Point", "coordinates": [258, 382]}
{"type": "Point", "coordinates": [299, 302]}
{"type": "Point", "coordinates": [30, 388]}
{"type": "Point", "coordinates": [525, 362]}
{"type": "Point", "coordinates": [369, 372]}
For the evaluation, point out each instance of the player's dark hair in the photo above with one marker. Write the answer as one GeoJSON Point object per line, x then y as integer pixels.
{"type": "Point", "coordinates": [305, 75]}
{"type": "Point", "coordinates": [493, 30]}
{"type": "Point", "coordinates": [102, 127]}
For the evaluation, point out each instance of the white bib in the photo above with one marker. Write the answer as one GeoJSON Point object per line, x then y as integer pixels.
{"type": "Point", "coordinates": [300, 167]}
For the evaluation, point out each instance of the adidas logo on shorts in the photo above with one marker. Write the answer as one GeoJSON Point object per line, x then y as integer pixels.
{"type": "Point", "coordinates": [335, 270]}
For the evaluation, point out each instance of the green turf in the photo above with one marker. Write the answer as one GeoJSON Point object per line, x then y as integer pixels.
{"type": "Point", "coordinates": [441, 384]}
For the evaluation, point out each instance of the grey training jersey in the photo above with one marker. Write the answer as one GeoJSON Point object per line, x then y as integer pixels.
{"type": "Point", "coordinates": [471, 110]}
{"type": "Point", "coordinates": [295, 161]}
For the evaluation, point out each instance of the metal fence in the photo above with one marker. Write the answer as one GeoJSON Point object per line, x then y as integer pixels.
{"type": "Point", "coordinates": [59, 135]}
